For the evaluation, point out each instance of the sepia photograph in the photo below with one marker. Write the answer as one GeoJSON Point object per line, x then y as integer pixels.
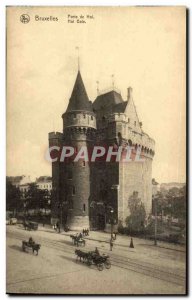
{"type": "Point", "coordinates": [96, 195]}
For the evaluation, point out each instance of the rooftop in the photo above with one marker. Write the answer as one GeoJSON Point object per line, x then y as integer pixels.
{"type": "Point", "coordinates": [79, 99]}
{"type": "Point", "coordinates": [108, 99]}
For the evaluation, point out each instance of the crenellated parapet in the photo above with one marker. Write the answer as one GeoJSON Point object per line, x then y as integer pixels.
{"type": "Point", "coordinates": [79, 132]}
{"type": "Point", "coordinates": [55, 138]}
{"type": "Point", "coordinates": [79, 118]}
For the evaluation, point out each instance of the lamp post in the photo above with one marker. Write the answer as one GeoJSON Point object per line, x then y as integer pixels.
{"type": "Point", "coordinates": [155, 206]}
{"type": "Point", "coordinates": [112, 221]}
{"type": "Point", "coordinates": [61, 216]}
{"type": "Point", "coordinates": [24, 205]}
{"type": "Point", "coordinates": [154, 196]}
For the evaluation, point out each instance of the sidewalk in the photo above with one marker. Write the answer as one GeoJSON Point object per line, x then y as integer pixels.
{"type": "Point", "coordinates": [121, 240]}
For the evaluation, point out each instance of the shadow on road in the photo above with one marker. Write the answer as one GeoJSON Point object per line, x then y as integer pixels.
{"type": "Point", "coordinates": [70, 243]}
{"type": "Point", "coordinates": [73, 259]}
{"type": "Point", "coordinates": [15, 247]}
{"type": "Point", "coordinates": [49, 231]}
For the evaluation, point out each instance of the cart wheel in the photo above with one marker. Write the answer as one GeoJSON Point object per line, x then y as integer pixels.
{"type": "Point", "coordinates": [107, 264]}
{"type": "Point", "coordinates": [100, 267]}
{"type": "Point", "coordinates": [89, 262]}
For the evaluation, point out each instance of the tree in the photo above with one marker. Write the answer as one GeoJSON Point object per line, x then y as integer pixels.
{"type": "Point", "coordinates": [136, 220]}
{"type": "Point", "coordinates": [32, 199]}
{"type": "Point", "coordinates": [13, 198]}
{"type": "Point", "coordinates": [45, 199]}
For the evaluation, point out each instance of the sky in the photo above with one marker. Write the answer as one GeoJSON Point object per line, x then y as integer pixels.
{"type": "Point", "coordinates": [143, 47]}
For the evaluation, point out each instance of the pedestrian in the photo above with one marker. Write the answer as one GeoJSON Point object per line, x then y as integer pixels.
{"type": "Point", "coordinates": [58, 226]}
{"type": "Point", "coordinates": [87, 231]}
{"type": "Point", "coordinates": [111, 245]}
{"type": "Point", "coordinates": [131, 244]}
{"type": "Point", "coordinates": [80, 235]}
{"type": "Point", "coordinates": [115, 235]}
{"type": "Point", "coordinates": [83, 231]}
{"type": "Point", "coordinates": [43, 221]}
{"type": "Point", "coordinates": [97, 251]}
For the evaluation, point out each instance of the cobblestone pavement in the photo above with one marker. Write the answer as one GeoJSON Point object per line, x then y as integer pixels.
{"type": "Point", "coordinates": [145, 269]}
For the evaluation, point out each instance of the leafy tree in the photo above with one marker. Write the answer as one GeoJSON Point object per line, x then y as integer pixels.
{"type": "Point", "coordinates": [136, 220]}
{"type": "Point", "coordinates": [32, 199]}
{"type": "Point", "coordinates": [172, 203]}
{"type": "Point", "coordinates": [13, 198]}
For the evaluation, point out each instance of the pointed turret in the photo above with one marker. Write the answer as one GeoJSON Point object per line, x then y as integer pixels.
{"type": "Point", "coordinates": [79, 99]}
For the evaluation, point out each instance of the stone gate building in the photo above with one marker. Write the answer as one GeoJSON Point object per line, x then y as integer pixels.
{"type": "Point", "coordinates": [92, 195]}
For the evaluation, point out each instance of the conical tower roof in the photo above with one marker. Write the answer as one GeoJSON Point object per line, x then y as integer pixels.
{"type": "Point", "coordinates": [79, 99]}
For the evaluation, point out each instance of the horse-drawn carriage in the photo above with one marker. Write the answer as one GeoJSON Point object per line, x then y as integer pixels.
{"type": "Point", "coordinates": [28, 225]}
{"type": "Point", "coordinates": [31, 245]}
{"type": "Point", "coordinates": [77, 240]}
{"type": "Point", "coordinates": [93, 258]}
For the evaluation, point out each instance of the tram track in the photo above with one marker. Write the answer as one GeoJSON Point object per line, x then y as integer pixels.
{"type": "Point", "coordinates": [116, 260]}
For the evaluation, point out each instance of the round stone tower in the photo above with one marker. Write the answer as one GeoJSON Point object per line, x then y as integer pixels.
{"type": "Point", "coordinates": [79, 126]}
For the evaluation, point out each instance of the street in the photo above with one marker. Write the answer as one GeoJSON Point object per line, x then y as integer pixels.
{"type": "Point", "coordinates": [145, 269]}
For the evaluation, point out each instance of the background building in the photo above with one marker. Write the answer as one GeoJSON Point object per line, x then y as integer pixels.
{"type": "Point", "coordinates": [98, 194]}
{"type": "Point", "coordinates": [44, 183]}
{"type": "Point", "coordinates": [22, 182]}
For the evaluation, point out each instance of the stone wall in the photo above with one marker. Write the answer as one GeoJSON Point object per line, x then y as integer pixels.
{"type": "Point", "coordinates": [134, 177]}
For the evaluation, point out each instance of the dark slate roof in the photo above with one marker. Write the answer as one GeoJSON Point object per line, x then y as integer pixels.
{"type": "Point", "coordinates": [14, 179]}
{"type": "Point", "coordinates": [79, 99]}
{"type": "Point", "coordinates": [44, 179]}
{"type": "Point", "coordinates": [120, 107]}
{"type": "Point", "coordinates": [107, 100]}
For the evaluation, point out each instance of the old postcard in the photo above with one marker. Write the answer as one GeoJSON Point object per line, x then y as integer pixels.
{"type": "Point", "coordinates": [96, 150]}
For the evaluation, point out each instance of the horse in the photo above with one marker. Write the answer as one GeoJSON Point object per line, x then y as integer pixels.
{"type": "Point", "coordinates": [81, 255]}
{"type": "Point", "coordinates": [35, 247]}
{"type": "Point", "coordinates": [79, 241]}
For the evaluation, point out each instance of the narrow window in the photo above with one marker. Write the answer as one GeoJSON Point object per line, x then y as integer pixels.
{"type": "Point", "coordinates": [73, 190]}
{"type": "Point", "coordinates": [84, 116]}
{"type": "Point", "coordinates": [71, 204]}
{"type": "Point", "coordinates": [70, 175]}
{"type": "Point", "coordinates": [91, 117]}
{"type": "Point", "coordinates": [83, 163]}
{"type": "Point", "coordinates": [128, 120]}
{"type": "Point", "coordinates": [84, 207]}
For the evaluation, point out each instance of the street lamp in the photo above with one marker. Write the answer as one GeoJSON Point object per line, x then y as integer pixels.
{"type": "Point", "coordinates": [154, 196]}
{"type": "Point", "coordinates": [112, 219]}
{"type": "Point", "coordinates": [24, 205]}
{"type": "Point", "coordinates": [155, 206]}
{"type": "Point", "coordinates": [61, 215]}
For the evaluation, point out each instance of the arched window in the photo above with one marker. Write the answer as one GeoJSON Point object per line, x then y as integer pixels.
{"type": "Point", "coordinates": [70, 204]}
{"type": "Point", "coordinates": [129, 142]}
{"type": "Point", "coordinates": [73, 190]}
